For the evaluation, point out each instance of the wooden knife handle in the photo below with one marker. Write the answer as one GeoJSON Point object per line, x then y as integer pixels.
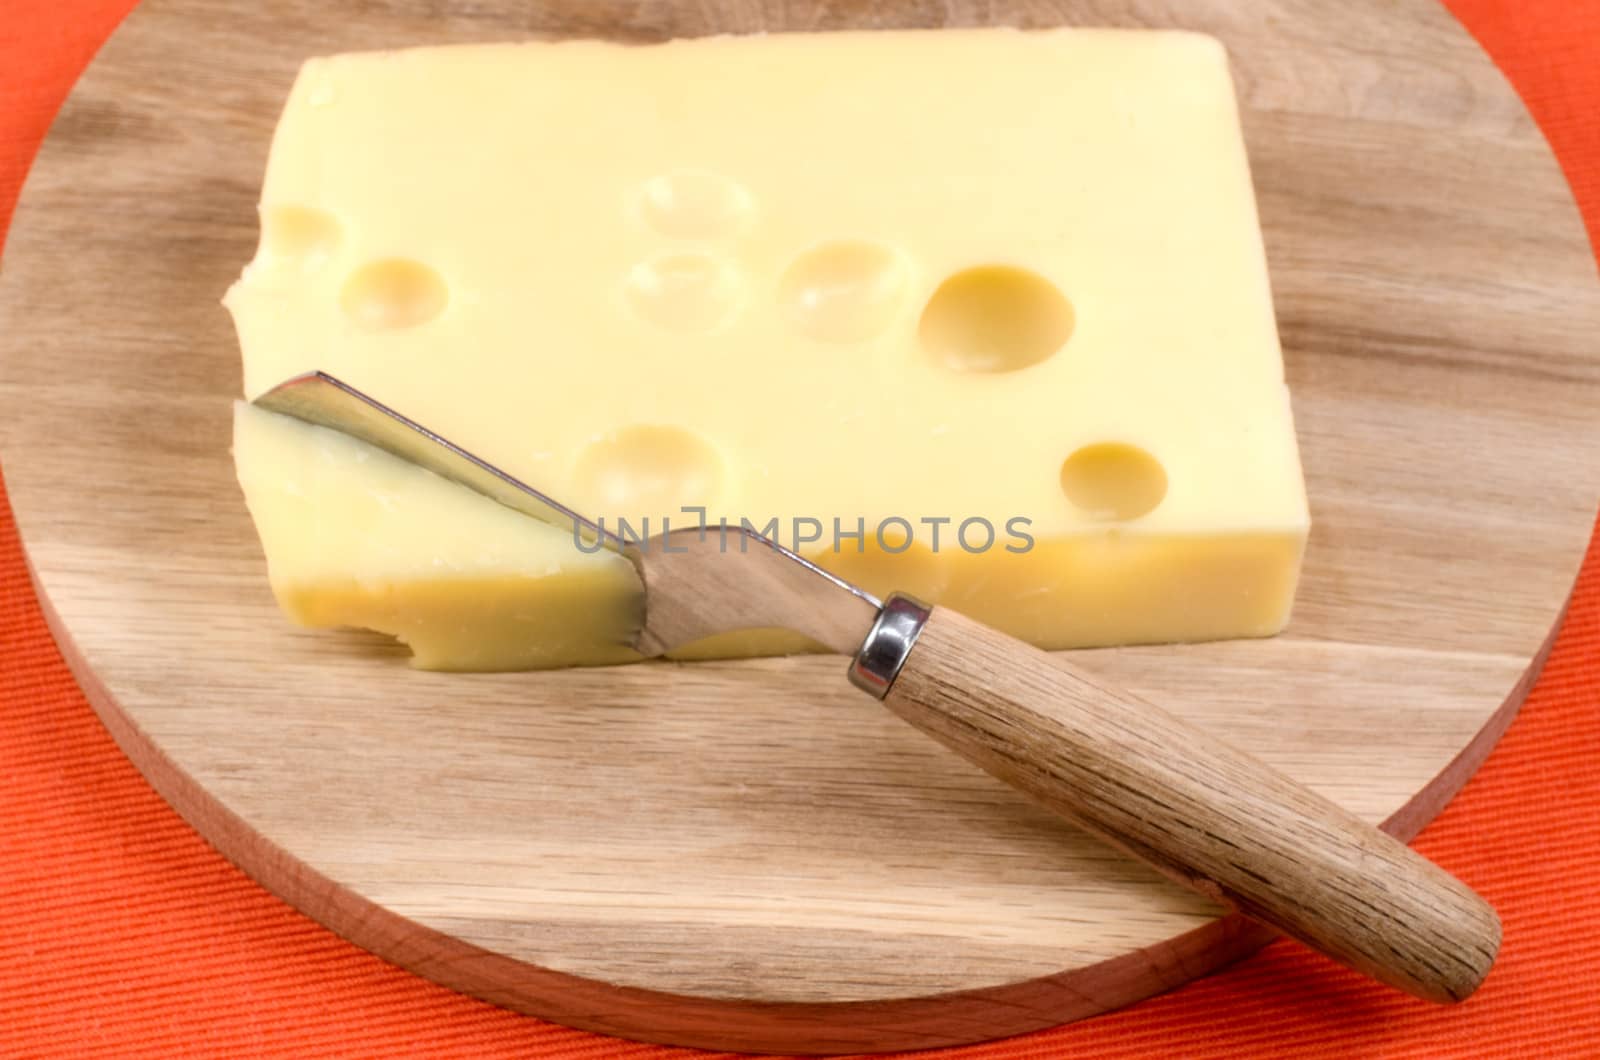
{"type": "Point", "coordinates": [1207, 815]}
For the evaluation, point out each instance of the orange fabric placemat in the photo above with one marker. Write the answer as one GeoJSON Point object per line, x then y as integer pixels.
{"type": "Point", "coordinates": [123, 934]}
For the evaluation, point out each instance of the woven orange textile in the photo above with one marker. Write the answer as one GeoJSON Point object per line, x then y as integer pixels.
{"type": "Point", "coordinates": [123, 934]}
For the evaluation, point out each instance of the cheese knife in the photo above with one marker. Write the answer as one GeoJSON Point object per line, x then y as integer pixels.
{"type": "Point", "coordinates": [1198, 810]}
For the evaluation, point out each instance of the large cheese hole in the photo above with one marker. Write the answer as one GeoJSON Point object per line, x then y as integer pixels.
{"type": "Point", "coordinates": [995, 318]}
{"type": "Point", "coordinates": [1113, 481]}
{"type": "Point", "coordinates": [648, 471]}
{"type": "Point", "coordinates": [393, 293]}
{"type": "Point", "coordinates": [694, 204]}
{"type": "Point", "coordinates": [300, 232]}
{"type": "Point", "coordinates": [845, 291]}
{"type": "Point", "coordinates": [684, 292]}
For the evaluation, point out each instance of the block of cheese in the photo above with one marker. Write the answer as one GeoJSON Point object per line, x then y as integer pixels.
{"type": "Point", "coordinates": [981, 315]}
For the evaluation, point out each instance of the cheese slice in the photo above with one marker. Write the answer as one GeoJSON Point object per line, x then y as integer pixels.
{"type": "Point", "coordinates": [357, 537]}
{"type": "Point", "coordinates": [981, 315]}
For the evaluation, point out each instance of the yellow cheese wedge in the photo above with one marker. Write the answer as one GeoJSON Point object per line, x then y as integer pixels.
{"type": "Point", "coordinates": [357, 537]}
{"type": "Point", "coordinates": [980, 315]}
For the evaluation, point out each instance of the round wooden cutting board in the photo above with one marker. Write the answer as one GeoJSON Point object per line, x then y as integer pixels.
{"type": "Point", "coordinates": [751, 854]}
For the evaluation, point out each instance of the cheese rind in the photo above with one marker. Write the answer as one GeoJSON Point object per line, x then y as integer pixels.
{"type": "Point", "coordinates": [912, 279]}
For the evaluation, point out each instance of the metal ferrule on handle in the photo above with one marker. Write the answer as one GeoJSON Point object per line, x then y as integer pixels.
{"type": "Point", "coordinates": [888, 644]}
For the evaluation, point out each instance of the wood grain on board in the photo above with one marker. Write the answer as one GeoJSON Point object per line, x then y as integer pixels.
{"type": "Point", "coordinates": [751, 854]}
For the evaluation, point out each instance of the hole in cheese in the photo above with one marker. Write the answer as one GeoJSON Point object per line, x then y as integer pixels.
{"type": "Point", "coordinates": [650, 471]}
{"type": "Point", "coordinates": [393, 293]}
{"type": "Point", "coordinates": [684, 292]}
{"type": "Point", "coordinates": [1113, 481]}
{"type": "Point", "coordinates": [843, 291]}
{"type": "Point", "coordinates": [300, 232]}
{"type": "Point", "coordinates": [995, 318]}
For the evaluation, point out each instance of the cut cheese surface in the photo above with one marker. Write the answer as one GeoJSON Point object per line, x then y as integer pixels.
{"type": "Point", "coordinates": [979, 315]}
{"type": "Point", "coordinates": [357, 537]}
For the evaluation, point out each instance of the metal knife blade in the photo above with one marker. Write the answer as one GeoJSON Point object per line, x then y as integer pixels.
{"type": "Point", "coordinates": [698, 581]}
